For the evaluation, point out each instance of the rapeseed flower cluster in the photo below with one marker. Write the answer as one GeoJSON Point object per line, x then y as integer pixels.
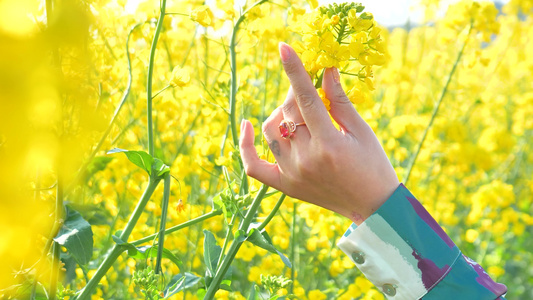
{"type": "Point", "coordinates": [340, 36]}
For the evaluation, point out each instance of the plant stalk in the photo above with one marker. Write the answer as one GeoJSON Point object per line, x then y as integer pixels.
{"type": "Point", "coordinates": [226, 240]}
{"type": "Point", "coordinates": [234, 248]}
{"type": "Point", "coordinates": [86, 292]}
{"type": "Point", "coordinates": [233, 88]}
{"type": "Point", "coordinates": [115, 114]}
{"type": "Point", "coordinates": [436, 109]}
{"type": "Point", "coordinates": [59, 219]}
{"type": "Point", "coordinates": [158, 28]}
{"type": "Point", "coordinates": [164, 209]}
{"type": "Point", "coordinates": [179, 227]}
{"type": "Point", "coordinates": [293, 247]}
{"type": "Point", "coordinates": [272, 213]}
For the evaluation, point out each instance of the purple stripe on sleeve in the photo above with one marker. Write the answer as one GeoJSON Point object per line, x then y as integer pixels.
{"type": "Point", "coordinates": [484, 279]}
{"type": "Point", "coordinates": [424, 215]}
{"type": "Point", "coordinates": [431, 273]}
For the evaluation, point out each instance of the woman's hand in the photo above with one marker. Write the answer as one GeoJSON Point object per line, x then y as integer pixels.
{"type": "Point", "coordinates": [344, 170]}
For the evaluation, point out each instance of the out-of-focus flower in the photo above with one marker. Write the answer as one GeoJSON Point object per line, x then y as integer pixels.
{"type": "Point", "coordinates": [180, 206]}
{"type": "Point", "coordinates": [325, 100]}
{"type": "Point", "coordinates": [203, 15]}
{"type": "Point", "coordinates": [180, 77]}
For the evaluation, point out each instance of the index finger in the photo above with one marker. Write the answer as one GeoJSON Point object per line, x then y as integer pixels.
{"type": "Point", "coordinates": [313, 111]}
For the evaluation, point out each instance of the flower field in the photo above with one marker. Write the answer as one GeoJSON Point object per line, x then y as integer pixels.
{"type": "Point", "coordinates": [120, 119]}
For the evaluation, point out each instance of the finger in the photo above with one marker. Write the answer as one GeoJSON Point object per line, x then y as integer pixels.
{"type": "Point", "coordinates": [257, 168]}
{"type": "Point", "coordinates": [279, 146]}
{"type": "Point", "coordinates": [342, 110]}
{"type": "Point", "coordinates": [291, 112]}
{"type": "Point", "coordinates": [313, 111]}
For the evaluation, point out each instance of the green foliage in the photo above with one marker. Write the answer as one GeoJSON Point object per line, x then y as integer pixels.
{"type": "Point", "coordinates": [261, 239]}
{"type": "Point", "coordinates": [145, 161]}
{"type": "Point", "coordinates": [179, 283]}
{"type": "Point", "coordinates": [145, 252]}
{"type": "Point", "coordinates": [77, 236]}
{"type": "Point", "coordinates": [211, 254]}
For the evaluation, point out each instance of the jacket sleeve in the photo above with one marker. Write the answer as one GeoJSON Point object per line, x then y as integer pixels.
{"type": "Point", "coordinates": [404, 252]}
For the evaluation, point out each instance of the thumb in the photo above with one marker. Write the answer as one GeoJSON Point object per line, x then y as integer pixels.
{"type": "Point", "coordinates": [342, 110]}
{"type": "Point", "coordinates": [254, 166]}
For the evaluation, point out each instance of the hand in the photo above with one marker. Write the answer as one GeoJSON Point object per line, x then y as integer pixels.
{"type": "Point", "coordinates": [344, 170]}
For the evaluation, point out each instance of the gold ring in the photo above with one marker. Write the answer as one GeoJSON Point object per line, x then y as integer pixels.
{"type": "Point", "coordinates": [287, 128]}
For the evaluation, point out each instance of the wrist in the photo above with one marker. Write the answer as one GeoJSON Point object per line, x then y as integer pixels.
{"type": "Point", "coordinates": [360, 207]}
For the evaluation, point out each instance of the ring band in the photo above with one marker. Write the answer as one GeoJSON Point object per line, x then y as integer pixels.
{"type": "Point", "coordinates": [287, 128]}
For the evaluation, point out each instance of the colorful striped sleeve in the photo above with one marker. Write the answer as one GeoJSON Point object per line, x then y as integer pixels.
{"type": "Point", "coordinates": [404, 252]}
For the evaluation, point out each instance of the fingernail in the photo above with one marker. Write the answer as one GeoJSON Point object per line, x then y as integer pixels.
{"type": "Point", "coordinates": [284, 51]}
{"type": "Point", "coordinates": [336, 75]}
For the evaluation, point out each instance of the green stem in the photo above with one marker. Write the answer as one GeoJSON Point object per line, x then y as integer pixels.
{"type": "Point", "coordinates": [253, 208]}
{"type": "Point", "coordinates": [226, 240]}
{"type": "Point", "coordinates": [272, 213]}
{"type": "Point", "coordinates": [59, 219]}
{"type": "Point", "coordinates": [150, 75]}
{"type": "Point", "coordinates": [233, 65]}
{"type": "Point", "coordinates": [233, 89]}
{"type": "Point", "coordinates": [162, 90]}
{"type": "Point", "coordinates": [164, 209]}
{"type": "Point", "coordinates": [293, 247]}
{"type": "Point", "coordinates": [318, 83]}
{"type": "Point", "coordinates": [86, 292]}
{"type": "Point", "coordinates": [36, 198]}
{"type": "Point", "coordinates": [52, 292]}
{"type": "Point", "coordinates": [234, 248]}
{"type": "Point", "coordinates": [436, 109]}
{"type": "Point", "coordinates": [81, 172]}
{"type": "Point", "coordinates": [152, 184]}
{"type": "Point", "coordinates": [179, 227]}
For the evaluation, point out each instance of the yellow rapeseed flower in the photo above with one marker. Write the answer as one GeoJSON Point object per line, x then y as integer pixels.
{"type": "Point", "coordinates": [316, 295]}
{"type": "Point", "coordinates": [325, 100]}
{"type": "Point", "coordinates": [203, 15]}
{"type": "Point", "coordinates": [180, 77]}
{"type": "Point", "coordinates": [471, 235]}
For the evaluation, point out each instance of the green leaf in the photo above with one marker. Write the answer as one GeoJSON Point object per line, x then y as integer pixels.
{"type": "Point", "coordinates": [139, 158]}
{"type": "Point", "coordinates": [200, 293]}
{"type": "Point", "coordinates": [252, 294]}
{"type": "Point", "coordinates": [211, 253]}
{"type": "Point", "coordinates": [240, 236]}
{"type": "Point", "coordinates": [219, 204]}
{"type": "Point", "coordinates": [77, 236]}
{"type": "Point", "coordinates": [160, 167]}
{"type": "Point", "coordinates": [145, 252]}
{"type": "Point", "coordinates": [262, 239]}
{"type": "Point", "coordinates": [225, 284]}
{"type": "Point", "coordinates": [93, 213]}
{"type": "Point", "coordinates": [179, 283]}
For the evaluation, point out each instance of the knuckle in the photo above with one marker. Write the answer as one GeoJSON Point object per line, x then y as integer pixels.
{"type": "Point", "coordinates": [305, 170]}
{"type": "Point", "coordinates": [269, 122]}
{"type": "Point", "coordinates": [326, 155]}
{"type": "Point", "coordinates": [341, 97]}
{"type": "Point", "coordinates": [249, 170]}
{"type": "Point", "coordinates": [305, 167]}
{"type": "Point", "coordinates": [306, 101]}
{"type": "Point", "coordinates": [288, 108]}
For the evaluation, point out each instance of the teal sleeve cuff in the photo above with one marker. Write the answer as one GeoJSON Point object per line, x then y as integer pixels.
{"type": "Point", "coordinates": [406, 254]}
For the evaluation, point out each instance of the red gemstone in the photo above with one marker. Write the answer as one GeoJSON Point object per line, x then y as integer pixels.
{"type": "Point", "coordinates": [284, 130]}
